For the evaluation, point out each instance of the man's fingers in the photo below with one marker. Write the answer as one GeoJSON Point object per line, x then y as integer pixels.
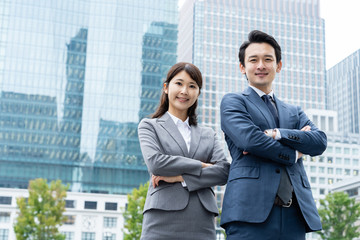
{"type": "Point", "coordinates": [306, 128]}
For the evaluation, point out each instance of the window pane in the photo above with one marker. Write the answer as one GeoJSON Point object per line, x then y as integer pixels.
{"type": "Point", "coordinates": [110, 222]}
{"type": "Point", "coordinates": [87, 236]}
{"type": "Point", "coordinates": [4, 234]}
{"type": "Point", "coordinates": [90, 205]}
{"type": "Point", "coordinates": [69, 203]}
{"type": "Point", "coordinates": [111, 206]}
{"type": "Point", "coordinates": [5, 200]}
{"type": "Point", "coordinates": [4, 217]}
{"type": "Point", "coordinates": [68, 235]}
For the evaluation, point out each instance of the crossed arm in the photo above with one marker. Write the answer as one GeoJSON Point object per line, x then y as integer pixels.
{"type": "Point", "coordinates": [197, 173]}
{"type": "Point", "coordinates": [173, 179]}
{"type": "Point", "coordinates": [238, 125]}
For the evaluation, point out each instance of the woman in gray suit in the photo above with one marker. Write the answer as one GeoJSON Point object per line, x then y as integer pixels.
{"type": "Point", "coordinates": [184, 161]}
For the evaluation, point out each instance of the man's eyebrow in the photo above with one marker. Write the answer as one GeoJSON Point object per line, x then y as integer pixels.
{"type": "Point", "coordinates": [252, 56]}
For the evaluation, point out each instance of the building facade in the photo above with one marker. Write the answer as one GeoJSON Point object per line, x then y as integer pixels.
{"type": "Point", "coordinates": [216, 30]}
{"type": "Point", "coordinates": [341, 159]}
{"type": "Point", "coordinates": [89, 216]}
{"type": "Point", "coordinates": [344, 92]}
{"type": "Point", "coordinates": [75, 80]}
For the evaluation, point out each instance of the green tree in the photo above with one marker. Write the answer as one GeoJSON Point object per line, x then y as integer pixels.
{"type": "Point", "coordinates": [218, 220]}
{"type": "Point", "coordinates": [338, 214]}
{"type": "Point", "coordinates": [133, 213]}
{"type": "Point", "coordinates": [42, 213]}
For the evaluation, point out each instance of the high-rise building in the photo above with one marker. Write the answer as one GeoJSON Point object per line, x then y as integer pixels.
{"type": "Point", "coordinates": [344, 92]}
{"type": "Point", "coordinates": [211, 32]}
{"type": "Point", "coordinates": [340, 160]}
{"type": "Point", "coordinates": [75, 79]}
{"type": "Point", "coordinates": [215, 30]}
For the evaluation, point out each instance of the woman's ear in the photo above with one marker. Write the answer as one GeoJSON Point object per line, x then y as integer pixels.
{"type": "Point", "coordinates": [165, 88]}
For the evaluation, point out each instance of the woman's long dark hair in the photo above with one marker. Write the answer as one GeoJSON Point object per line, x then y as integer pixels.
{"type": "Point", "coordinates": [195, 74]}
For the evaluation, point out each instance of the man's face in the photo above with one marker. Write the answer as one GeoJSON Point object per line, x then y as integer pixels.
{"type": "Point", "coordinates": [260, 66]}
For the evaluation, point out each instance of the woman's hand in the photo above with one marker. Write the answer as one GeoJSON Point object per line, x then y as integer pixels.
{"type": "Point", "coordinates": [204, 165]}
{"type": "Point", "coordinates": [156, 179]}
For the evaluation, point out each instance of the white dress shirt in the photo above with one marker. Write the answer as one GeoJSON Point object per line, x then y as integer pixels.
{"type": "Point", "coordinates": [184, 129]}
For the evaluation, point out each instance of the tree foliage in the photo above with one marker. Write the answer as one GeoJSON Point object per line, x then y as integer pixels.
{"type": "Point", "coordinates": [133, 214]}
{"type": "Point", "coordinates": [338, 214]}
{"type": "Point", "coordinates": [42, 213]}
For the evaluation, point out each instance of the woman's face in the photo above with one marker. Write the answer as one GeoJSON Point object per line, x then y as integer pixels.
{"type": "Point", "coordinates": [182, 92]}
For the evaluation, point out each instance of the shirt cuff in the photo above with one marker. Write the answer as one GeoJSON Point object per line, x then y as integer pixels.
{"type": "Point", "coordinates": [296, 155]}
{"type": "Point", "coordinates": [278, 134]}
{"type": "Point", "coordinates": [183, 183]}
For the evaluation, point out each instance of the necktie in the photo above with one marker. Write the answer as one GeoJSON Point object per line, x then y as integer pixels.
{"type": "Point", "coordinates": [267, 100]}
{"type": "Point", "coordinates": [285, 188]}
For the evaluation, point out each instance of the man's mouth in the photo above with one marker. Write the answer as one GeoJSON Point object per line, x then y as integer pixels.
{"type": "Point", "coordinates": [261, 74]}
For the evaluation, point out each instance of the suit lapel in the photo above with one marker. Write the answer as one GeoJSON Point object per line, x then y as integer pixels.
{"type": "Point", "coordinates": [195, 140]}
{"type": "Point", "coordinates": [168, 124]}
{"type": "Point", "coordinates": [261, 105]}
{"type": "Point", "coordinates": [283, 114]}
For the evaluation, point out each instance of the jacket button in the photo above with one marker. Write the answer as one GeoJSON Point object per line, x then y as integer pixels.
{"type": "Point", "coordinates": [277, 170]}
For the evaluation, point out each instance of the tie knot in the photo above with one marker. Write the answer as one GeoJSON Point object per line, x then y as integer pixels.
{"type": "Point", "coordinates": [266, 97]}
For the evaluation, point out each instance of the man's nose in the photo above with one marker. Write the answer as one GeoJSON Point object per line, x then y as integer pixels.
{"type": "Point", "coordinates": [261, 65]}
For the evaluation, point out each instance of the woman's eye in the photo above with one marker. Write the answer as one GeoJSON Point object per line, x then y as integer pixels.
{"type": "Point", "coordinates": [192, 86]}
{"type": "Point", "coordinates": [178, 83]}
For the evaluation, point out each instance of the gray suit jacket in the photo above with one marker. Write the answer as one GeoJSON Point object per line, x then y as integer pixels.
{"type": "Point", "coordinates": [165, 154]}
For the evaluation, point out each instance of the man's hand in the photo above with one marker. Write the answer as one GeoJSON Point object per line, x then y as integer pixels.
{"type": "Point", "coordinates": [270, 133]}
{"type": "Point", "coordinates": [156, 179]}
{"type": "Point", "coordinates": [305, 129]}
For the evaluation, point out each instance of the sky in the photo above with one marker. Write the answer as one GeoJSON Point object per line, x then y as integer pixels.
{"type": "Point", "coordinates": [342, 34]}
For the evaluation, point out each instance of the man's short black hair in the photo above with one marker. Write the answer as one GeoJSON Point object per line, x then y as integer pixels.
{"type": "Point", "coordinates": [257, 36]}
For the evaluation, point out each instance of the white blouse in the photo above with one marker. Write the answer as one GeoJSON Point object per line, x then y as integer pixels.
{"type": "Point", "coordinates": [184, 129]}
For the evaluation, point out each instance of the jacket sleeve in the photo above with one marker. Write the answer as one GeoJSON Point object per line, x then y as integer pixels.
{"type": "Point", "coordinates": [161, 164]}
{"type": "Point", "coordinates": [238, 125]}
{"type": "Point", "coordinates": [216, 174]}
{"type": "Point", "coordinates": [310, 142]}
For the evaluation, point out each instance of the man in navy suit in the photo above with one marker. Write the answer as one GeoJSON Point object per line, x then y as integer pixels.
{"type": "Point", "coordinates": [268, 195]}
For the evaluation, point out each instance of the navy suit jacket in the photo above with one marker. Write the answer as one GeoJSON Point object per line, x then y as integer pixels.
{"type": "Point", "coordinates": [254, 178]}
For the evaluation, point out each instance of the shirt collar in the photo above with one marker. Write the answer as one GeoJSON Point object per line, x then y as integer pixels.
{"type": "Point", "coordinates": [178, 120]}
{"type": "Point", "coordinates": [261, 93]}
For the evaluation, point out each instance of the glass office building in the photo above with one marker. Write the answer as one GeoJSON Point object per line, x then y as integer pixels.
{"type": "Point", "coordinates": [76, 77]}
{"type": "Point", "coordinates": [344, 92]}
{"type": "Point", "coordinates": [217, 28]}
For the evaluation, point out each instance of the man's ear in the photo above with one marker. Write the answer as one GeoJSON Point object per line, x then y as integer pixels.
{"type": "Point", "coordinates": [278, 68]}
{"type": "Point", "coordinates": [242, 69]}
